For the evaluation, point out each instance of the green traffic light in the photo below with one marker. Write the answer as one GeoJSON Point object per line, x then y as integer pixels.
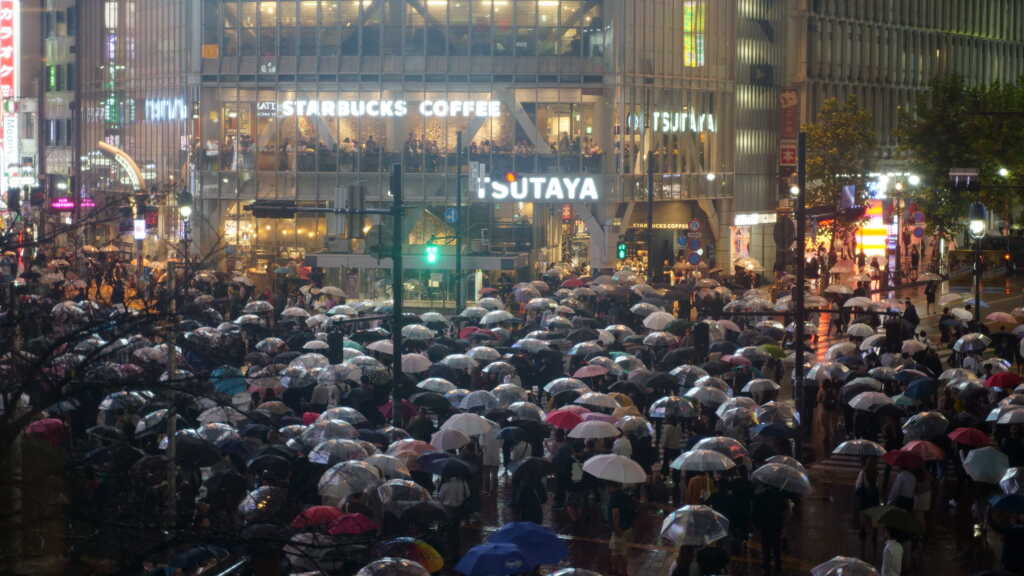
{"type": "Point", "coordinates": [621, 250]}
{"type": "Point", "coordinates": [432, 254]}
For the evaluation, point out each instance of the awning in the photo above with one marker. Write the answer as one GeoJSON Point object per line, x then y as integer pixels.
{"type": "Point", "coordinates": [667, 215]}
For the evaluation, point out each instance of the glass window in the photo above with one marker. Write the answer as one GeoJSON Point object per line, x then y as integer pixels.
{"type": "Point", "coordinates": [482, 12]}
{"type": "Point", "coordinates": [458, 37]}
{"type": "Point", "coordinates": [348, 12]}
{"type": "Point", "coordinates": [249, 14]}
{"type": "Point", "coordinates": [307, 42]}
{"type": "Point", "coordinates": [268, 42]}
{"type": "Point", "coordinates": [229, 43]}
{"type": "Point", "coordinates": [330, 12]}
{"type": "Point", "coordinates": [288, 40]}
{"type": "Point", "coordinates": [248, 42]}
{"type": "Point", "coordinates": [268, 14]}
{"type": "Point", "coordinates": [526, 42]}
{"type": "Point", "coordinates": [526, 13]}
{"type": "Point", "coordinates": [458, 13]}
{"type": "Point", "coordinates": [504, 40]}
{"type": "Point", "coordinates": [307, 12]}
{"type": "Point", "coordinates": [330, 41]}
{"type": "Point", "coordinates": [548, 13]}
{"type": "Point", "coordinates": [569, 8]}
{"type": "Point", "coordinates": [286, 10]}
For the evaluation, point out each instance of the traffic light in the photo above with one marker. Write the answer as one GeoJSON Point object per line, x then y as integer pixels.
{"type": "Point", "coordinates": [620, 250]}
{"type": "Point", "coordinates": [432, 255]}
{"type": "Point", "coordinates": [14, 200]}
{"type": "Point", "coordinates": [272, 208]}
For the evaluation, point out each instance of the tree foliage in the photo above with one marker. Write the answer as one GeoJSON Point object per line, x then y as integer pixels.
{"type": "Point", "coordinates": [954, 125]}
{"type": "Point", "coordinates": [840, 153]}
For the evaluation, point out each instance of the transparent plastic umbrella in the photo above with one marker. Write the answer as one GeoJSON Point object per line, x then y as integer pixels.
{"type": "Point", "coordinates": [526, 411]}
{"type": "Point", "coordinates": [469, 424]}
{"type": "Point", "coordinates": [349, 477]}
{"type": "Point", "coordinates": [782, 477]}
{"type": "Point", "coordinates": [390, 466]}
{"type": "Point", "coordinates": [483, 354]}
{"type": "Point", "coordinates": [336, 450]}
{"type": "Point", "coordinates": [694, 526]}
{"type": "Point", "coordinates": [346, 413]}
{"type": "Point", "coordinates": [480, 400]}
{"type": "Point", "coordinates": [925, 426]}
{"type": "Point", "coordinates": [463, 362]}
{"type": "Point", "coordinates": [389, 566]}
{"type": "Point", "coordinates": [322, 430]}
{"type": "Point", "coordinates": [701, 460]}
{"type": "Point", "coordinates": [844, 566]}
{"type": "Point", "coordinates": [860, 447]}
{"type": "Point", "coordinates": [669, 406]}
{"type": "Point", "coordinates": [559, 385]}
{"type": "Point", "coordinates": [724, 445]}
{"type": "Point", "coordinates": [439, 385]}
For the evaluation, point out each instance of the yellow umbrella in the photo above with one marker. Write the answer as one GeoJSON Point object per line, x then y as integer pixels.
{"type": "Point", "coordinates": [622, 399]}
{"type": "Point", "coordinates": [623, 411]}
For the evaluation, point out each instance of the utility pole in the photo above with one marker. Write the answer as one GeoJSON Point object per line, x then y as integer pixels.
{"type": "Point", "coordinates": [171, 513]}
{"type": "Point", "coordinates": [396, 292]}
{"type": "Point", "coordinates": [798, 296]}
{"type": "Point", "coordinates": [460, 293]}
{"type": "Point", "coordinates": [650, 217]}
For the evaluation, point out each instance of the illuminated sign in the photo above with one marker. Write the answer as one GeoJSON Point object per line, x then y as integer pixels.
{"type": "Point", "coordinates": [8, 85]}
{"type": "Point", "coordinates": [165, 109]}
{"type": "Point", "coordinates": [386, 108]}
{"type": "Point", "coordinates": [754, 218]}
{"type": "Point", "coordinates": [68, 205]}
{"type": "Point", "coordinates": [674, 122]}
{"type": "Point", "coordinates": [511, 188]}
{"type": "Point", "coordinates": [139, 229]}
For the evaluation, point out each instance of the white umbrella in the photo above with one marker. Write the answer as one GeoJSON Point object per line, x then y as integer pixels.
{"type": "Point", "coordinates": [382, 347]}
{"type": "Point", "coordinates": [449, 439]}
{"type": "Point", "coordinates": [874, 341]}
{"type": "Point", "coordinates": [415, 363]}
{"type": "Point", "coordinates": [839, 289]}
{"type": "Point", "coordinates": [615, 468]}
{"type": "Point", "coordinates": [658, 320]}
{"type": "Point", "coordinates": [986, 464]}
{"type": "Point", "coordinates": [869, 401]}
{"type": "Point", "coordinates": [860, 447]}
{"type": "Point", "coordinates": [858, 302]}
{"type": "Point", "coordinates": [912, 347]}
{"type": "Point", "coordinates": [694, 526]}
{"type": "Point", "coordinates": [294, 312]}
{"type": "Point", "coordinates": [860, 330]}
{"type": "Point", "coordinates": [844, 566]}
{"type": "Point", "coordinates": [496, 317]}
{"type": "Point", "coordinates": [469, 424]}
{"type": "Point", "coordinates": [439, 385]}
{"type": "Point", "coordinates": [962, 314]}
{"type": "Point", "coordinates": [598, 400]}
{"type": "Point", "coordinates": [702, 461]}
{"type": "Point", "coordinates": [594, 429]}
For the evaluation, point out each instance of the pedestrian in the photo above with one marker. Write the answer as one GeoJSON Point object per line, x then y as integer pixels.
{"type": "Point", "coordinates": [490, 448]}
{"type": "Point", "coordinates": [868, 496]}
{"type": "Point", "coordinates": [829, 414]}
{"type": "Point", "coordinates": [930, 291]}
{"type": "Point", "coordinates": [902, 491]}
{"type": "Point", "coordinates": [620, 516]}
{"type": "Point", "coordinates": [892, 553]}
{"type": "Point", "coordinates": [770, 507]}
{"type": "Point", "coordinates": [528, 498]}
{"type": "Point", "coordinates": [453, 494]}
{"type": "Point", "coordinates": [910, 314]}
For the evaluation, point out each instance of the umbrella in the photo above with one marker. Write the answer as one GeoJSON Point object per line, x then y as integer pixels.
{"type": "Point", "coordinates": [351, 524]}
{"type": "Point", "coordinates": [860, 447]}
{"type": "Point", "coordinates": [390, 466]}
{"type": "Point", "coordinates": [707, 396]}
{"type": "Point", "coordinates": [594, 429]}
{"type": "Point", "coordinates": [480, 400]}
{"type": "Point", "coordinates": [560, 385]}
{"type": "Point", "coordinates": [540, 545]}
{"type": "Point", "coordinates": [925, 425]}
{"type": "Point", "coordinates": [493, 559]}
{"type": "Point", "coordinates": [449, 439]}
{"type": "Point", "coordinates": [694, 526]}
{"type": "Point", "coordinates": [669, 406]}
{"type": "Point", "coordinates": [563, 419]}
{"type": "Point", "coordinates": [315, 516]}
{"type": "Point", "coordinates": [597, 400]}
{"type": "Point", "coordinates": [590, 371]}
{"type": "Point", "coordinates": [615, 468]}
{"type": "Point", "coordinates": [658, 320]}
{"type": "Point", "coordinates": [759, 386]}
{"type": "Point", "coordinates": [724, 445]}
{"type": "Point", "coordinates": [1005, 380]}
{"type": "Point", "coordinates": [411, 549]}
{"type": "Point", "coordinates": [895, 518]}
{"type": "Point", "coordinates": [437, 385]}
{"type": "Point", "coordinates": [970, 437]}
{"type": "Point", "coordinates": [336, 450]}
{"type": "Point", "coordinates": [903, 459]}
{"type": "Point", "coordinates": [844, 566]}
{"type": "Point", "coordinates": [869, 401]}
{"type": "Point", "coordinates": [973, 342]}
{"type": "Point", "coordinates": [925, 449]}
{"type": "Point", "coordinates": [415, 363]}
{"type": "Point", "coordinates": [393, 567]}
{"type": "Point", "coordinates": [1012, 481]}
{"type": "Point", "coordinates": [469, 424]}
{"type": "Point", "coordinates": [496, 317]}
{"type": "Point", "coordinates": [986, 464]}
{"type": "Point", "coordinates": [698, 460]}
{"type": "Point", "coordinates": [784, 478]}
{"type": "Point", "coordinates": [1011, 502]}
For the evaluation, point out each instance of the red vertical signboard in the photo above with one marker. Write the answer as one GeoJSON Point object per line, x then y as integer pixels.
{"type": "Point", "coordinates": [789, 126]}
{"type": "Point", "coordinates": [8, 80]}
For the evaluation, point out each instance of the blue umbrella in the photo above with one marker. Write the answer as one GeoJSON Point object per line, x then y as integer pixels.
{"type": "Point", "coordinates": [429, 460]}
{"type": "Point", "coordinates": [228, 380]}
{"type": "Point", "coordinates": [1010, 502]}
{"type": "Point", "coordinates": [920, 389]}
{"type": "Point", "coordinates": [539, 544]}
{"type": "Point", "coordinates": [511, 433]}
{"type": "Point", "coordinates": [495, 559]}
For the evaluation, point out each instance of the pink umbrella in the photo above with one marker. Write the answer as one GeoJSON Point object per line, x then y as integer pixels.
{"type": "Point", "coordinates": [575, 408]}
{"type": "Point", "coordinates": [316, 516]}
{"type": "Point", "coordinates": [736, 360]}
{"type": "Point", "coordinates": [563, 419]}
{"type": "Point", "coordinates": [602, 417]}
{"type": "Point", "coordinates": [590, 371]}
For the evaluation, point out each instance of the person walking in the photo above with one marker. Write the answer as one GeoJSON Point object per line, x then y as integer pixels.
{"type": "Point", "coordinates": [770, 507]}
{"type": "Point", "coordinates": [453, 494]}
{"type": "Point", "coordinates": [672, 443]}
{"type": "Point", "coordinates": [931, 289]}
{"type": "Point", "coordinates": [620, 516]}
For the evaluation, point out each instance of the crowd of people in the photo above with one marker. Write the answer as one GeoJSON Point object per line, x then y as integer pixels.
{"type": "Point", "coordinates": [297, 445]}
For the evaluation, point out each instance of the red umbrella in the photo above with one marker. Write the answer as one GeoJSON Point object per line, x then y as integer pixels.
{"type": "Point", "coordinates": [590, 371]}
{"type": "Point", "coordinates": [470, 330]}
{"type": "Point", "coordinates": [1003, 380]}
{"type": "Point", "coordinates": [903, 459]}
{"type": "Point", "coordinates": [316, 516]}
{"type": "Point", "coordinates": [351, 524]}
{"type": "Point", "coordinates": [572, 283]}
{"type": "Point", "coordinates": [563, 419]}
{"type": "Point", "coordinates": [309, 417]}
{"type": "Point", "coordinates": [51, 430]}
{"type": "Point", "coordinates": [970, 437]}
{"type": "Point", "coordinates": [575, 409]}
{"type": "Point", "coordinates": [925, 449]}
{"type": "Point", "coordinates": [407, 409]}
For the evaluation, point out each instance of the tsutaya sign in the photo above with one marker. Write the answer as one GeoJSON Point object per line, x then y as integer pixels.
{"type": "Point", "coordinates": [511, 188]}
{"type": "Point", "coordinates": [675, 122]}
{"type": "Point", "coordinates": [390, 108]}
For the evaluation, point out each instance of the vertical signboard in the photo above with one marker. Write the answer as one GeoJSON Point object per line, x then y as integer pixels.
{"type": "Point", "coordinates": [8, 86]}
{"type": "Point", "coordinates": [789, 126]}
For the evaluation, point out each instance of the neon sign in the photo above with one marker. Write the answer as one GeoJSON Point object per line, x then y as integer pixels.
{"type": "Point", "coordinates": [169, 109]}
{"type": "Point", "coordinates": [538, 189]}
{"type": "Point", "coordinates": [8, 84]}
{"type": "Point", "coordinates": [675, 122]}
{"type": "Point", "coordinates": [68, 205]}
{"type": "Point", "coordinates": [386, 108]}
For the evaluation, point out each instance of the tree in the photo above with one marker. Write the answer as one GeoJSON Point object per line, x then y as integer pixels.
{"type": "Point", "coordinates": [840, 153]}
{"type": "Point", "coordinates": [954, 125]}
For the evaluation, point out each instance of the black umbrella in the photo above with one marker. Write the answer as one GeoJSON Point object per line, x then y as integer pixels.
{"type": "Point", "coordinates": [107, 433]}
{"type": "Point", "coordinates": [367, 336]}
{"type": "Point", "coordinates": [499, 415]}
{"type": "Point", "coordinates": [716, 367]}
{"type": "Point", "coordinates": [564, 398]}
{"type": "Point", "coordinates": [582, 335]}
{"type": "Point", "coordinates": [676, 357]}
{"type": "Point", "coordinates": [225, 483]}
{"type": "Point", "coordinates": [661, 382]}
{"type": "Point", "coordinates": [530, 468]}
{"type": "Point", "coordinates": [424, 514]}
{"type": "Point", "coordinates": [628, 388]}
{"type": "Point", "coordinates": [191, 449]}
{"type": "Point", "coordinates": [724, 347]}
{"type": "Point", "coordinates": [437, 352]}
{"type": "Point", "coordinates": [443, 371]}
{"type": "Point", "coordinates": [432, 401]}
{"type": "Point", "coordinates": [286, 357]}
{"type": "Point", "coordinates": [373, 436]}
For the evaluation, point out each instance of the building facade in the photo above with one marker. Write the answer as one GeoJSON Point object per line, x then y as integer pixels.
{"type": "Point", "coordinates": [314, 100]}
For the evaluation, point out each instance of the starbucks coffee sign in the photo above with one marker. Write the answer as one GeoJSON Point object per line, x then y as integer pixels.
{"type": "Point", "coordinates": [512, 188]}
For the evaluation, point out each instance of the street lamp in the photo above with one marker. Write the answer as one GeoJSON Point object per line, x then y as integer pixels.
{"type": "Point", "coordinates": [914, 180]}
{"type": "Point", "coordinates": [977, 223]}
{"type": "Point", "coordinates": [711, 176]}
{"type": "Point", "coordinates": [1003, 172]}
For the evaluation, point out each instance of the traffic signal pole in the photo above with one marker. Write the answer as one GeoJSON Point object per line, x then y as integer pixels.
{"type": "Point", "coordinates": [798, 296]}
{"type": "Point", "coordinates": [460, 292]}
{"type": "Point", "coordinates": [650, 217]}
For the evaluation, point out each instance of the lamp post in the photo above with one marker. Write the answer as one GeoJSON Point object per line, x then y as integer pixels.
{"type": "Point", "coordinates": [800, 213]}
{"type": "Point", "coordinates": [977, 224]}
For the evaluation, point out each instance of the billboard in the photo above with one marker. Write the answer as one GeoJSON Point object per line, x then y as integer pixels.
{"type": "Point", "coordinates": [8, 86]}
